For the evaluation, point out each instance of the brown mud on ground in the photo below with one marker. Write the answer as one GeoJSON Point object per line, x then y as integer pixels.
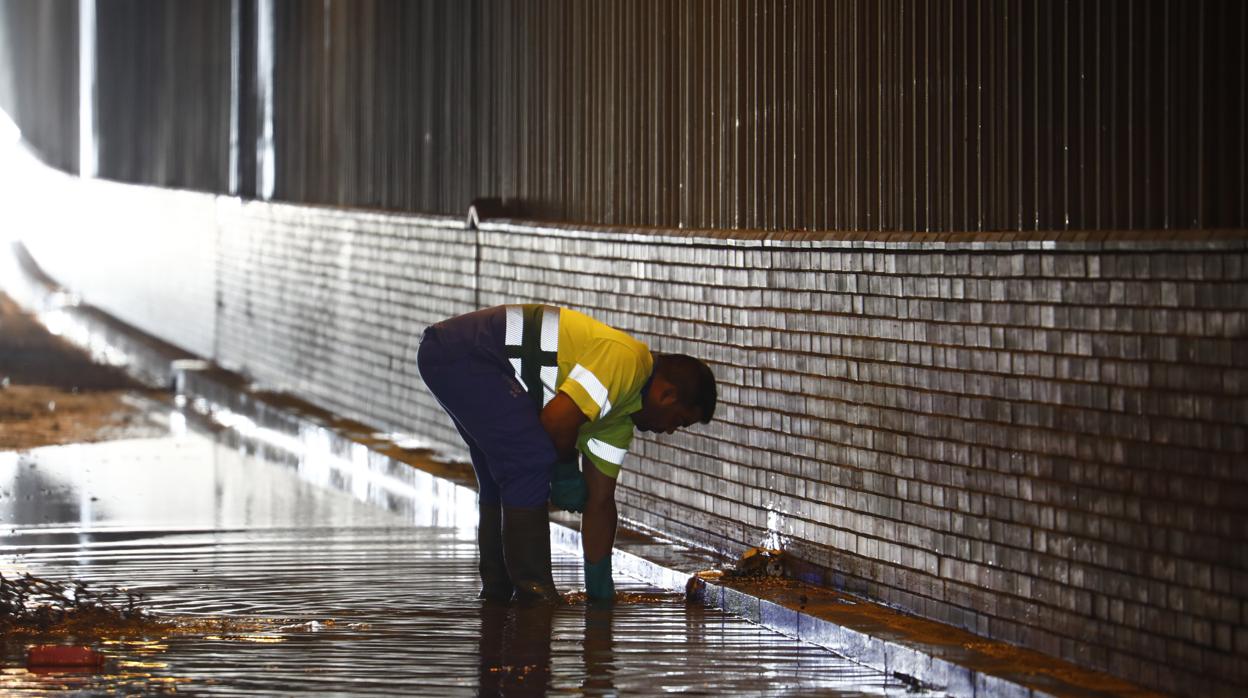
{"type": "Point", "coordinates": [52, 393]}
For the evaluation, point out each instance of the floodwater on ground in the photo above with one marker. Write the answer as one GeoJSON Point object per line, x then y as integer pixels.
{"type": "Point", "coordinates": [338, 578]}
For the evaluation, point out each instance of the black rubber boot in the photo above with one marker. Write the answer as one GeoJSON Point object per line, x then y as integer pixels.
{"type": "Point", "coordinates": [495, 583]}
{"type": "Point", "coordinates": [526, 547]}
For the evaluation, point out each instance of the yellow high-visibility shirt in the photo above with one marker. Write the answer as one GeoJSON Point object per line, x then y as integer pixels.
{"type": "Point", "coordinates": [601, 368]}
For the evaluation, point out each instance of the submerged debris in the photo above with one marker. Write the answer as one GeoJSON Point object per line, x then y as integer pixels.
{"type": "Point", "coordinates": [759, 562]}
{"type": "Point", "coordinates": [63, 656]}
{"type": "Point", "coordinates": [34, 604]}
{"type": "Point", "coordinates": [753, 563]}
{"type": "Point", "coordinates": [624, 598]}
{"type": "Point", "coordinates": [756, 568]}
{"type": "Point", "coordinates": [34, 607]}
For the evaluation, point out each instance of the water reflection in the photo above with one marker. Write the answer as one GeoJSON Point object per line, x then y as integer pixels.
{"type": "Point", "coordinates": [191, 480]}
{"type": "Point", "coordinates": [599, 650]}
{"type": "Point", "coordinates": [344, 576]}
{"type": "Point", "coordinates": [515, 649]}
{"type": "Point", "coordinates": [29, 494]}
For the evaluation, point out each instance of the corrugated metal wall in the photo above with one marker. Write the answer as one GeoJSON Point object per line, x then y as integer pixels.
{"type": "Point", "coordinates": [163, 101]}
{"type": "Point", "coordinates": [866, 115]}
{"type": "Point", "coordinates": [39, 75]}
{"type": "Point", "coordinates": [858, 115]}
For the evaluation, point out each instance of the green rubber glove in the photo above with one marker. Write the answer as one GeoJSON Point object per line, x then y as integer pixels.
{"type": "Point", "coordinates": [567, 487]}
{"type": "Point", "coordinates": [598, 584]}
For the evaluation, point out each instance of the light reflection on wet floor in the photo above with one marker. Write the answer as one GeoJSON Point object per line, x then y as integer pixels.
{"type": "Point", "coordinates": [356, 597]}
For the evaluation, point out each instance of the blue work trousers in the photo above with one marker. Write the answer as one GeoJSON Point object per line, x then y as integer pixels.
{"type": "Point", "coordinates": [511, 452]}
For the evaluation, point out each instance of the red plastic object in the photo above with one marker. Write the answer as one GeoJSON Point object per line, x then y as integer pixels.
{"type": "Point", "coordinates": [62, 655]}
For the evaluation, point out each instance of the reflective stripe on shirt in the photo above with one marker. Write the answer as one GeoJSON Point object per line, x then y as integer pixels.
{"type": "Point", "coordinates": [606, 451]}
{"type": "Point", "coordinates": [515, 367]}
{"type": "Point", "coordinates": [542, 339]}
{"type": "Point", "coordinates": [597, 391]}
{"type": "Point", "coordinates": [550, 330]}
{"type": "Point", "coordinates": [550, 374]}
{"type": "Point", "coordinates": [515, 326]}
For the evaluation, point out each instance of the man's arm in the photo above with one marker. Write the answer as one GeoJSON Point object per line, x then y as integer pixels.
{"type": "Point", "coordinates": [562, 419]}
{"type": "Point", "coordinates": [599, 520]}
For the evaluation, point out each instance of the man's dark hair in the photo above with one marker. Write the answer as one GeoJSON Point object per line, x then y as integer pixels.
{"type": "Point", "coordinates": [694, 382]}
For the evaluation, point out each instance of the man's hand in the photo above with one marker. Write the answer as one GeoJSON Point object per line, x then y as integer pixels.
{"type": "Point", "coordinates": [562, 419]}
{"type": "Point", "coordinates": [567, 487]}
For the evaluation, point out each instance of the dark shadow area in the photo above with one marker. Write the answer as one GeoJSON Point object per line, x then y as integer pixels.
{"type": "Point", "coordinates": [30, 355]}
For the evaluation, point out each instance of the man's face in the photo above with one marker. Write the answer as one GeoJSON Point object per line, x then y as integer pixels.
{"type": "Point", "coordinates": [665, 418]}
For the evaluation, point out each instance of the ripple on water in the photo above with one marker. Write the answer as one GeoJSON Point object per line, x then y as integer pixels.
{"type": "Point", "coordinates": [288, 577]}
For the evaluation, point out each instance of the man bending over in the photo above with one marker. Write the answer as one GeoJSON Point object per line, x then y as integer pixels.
{"type": "Point", "coordinates": [532, 386]}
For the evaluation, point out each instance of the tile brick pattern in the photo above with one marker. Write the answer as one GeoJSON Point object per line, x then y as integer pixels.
{"type": "Point", "coordinates": [1043, 440]}
{"type": "Point", "coordinates": [331, 305]}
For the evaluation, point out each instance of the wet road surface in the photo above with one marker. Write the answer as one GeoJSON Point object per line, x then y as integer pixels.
{"type": "Point", "coordinates": [335, 584]}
